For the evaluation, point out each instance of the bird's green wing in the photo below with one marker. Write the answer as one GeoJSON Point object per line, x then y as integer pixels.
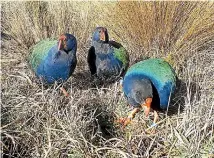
{"type": "Point", "coordinates": [40, 52]}
{"type": "Point", "coordinates": [156, 68]}
{"type": "Point", "coordinates": [122, 55]}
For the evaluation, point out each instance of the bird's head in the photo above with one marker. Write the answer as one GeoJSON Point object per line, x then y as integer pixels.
{"type": "Point", "coordinates": [142, 94]}
{"type": "Point", "coordinates": [100, 35]}
{"type": "Point", "coordinates": [67, 42]}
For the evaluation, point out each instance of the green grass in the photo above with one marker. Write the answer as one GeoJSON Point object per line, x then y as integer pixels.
{"type": "Point", "coordinates": [38, 121]}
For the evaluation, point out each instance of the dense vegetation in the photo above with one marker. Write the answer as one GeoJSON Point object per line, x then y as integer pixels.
{"type": "Point", "coordinates": [38, 121]}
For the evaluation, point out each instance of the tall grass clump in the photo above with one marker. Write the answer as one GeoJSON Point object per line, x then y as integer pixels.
{"type": "Point", "coordinates": [38, 121]}
{"type": "Point", "coordinates": [162, 28]}
{"type": "Point", "coordinates": [29, 22]}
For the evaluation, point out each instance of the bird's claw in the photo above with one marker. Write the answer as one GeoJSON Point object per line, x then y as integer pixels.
{"type": "Point", "coordinates": [124, 121]}
{"type": "Point", "coordinates": [64, 92]}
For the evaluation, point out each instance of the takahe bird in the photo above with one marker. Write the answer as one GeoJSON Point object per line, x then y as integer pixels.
{"type": "Point", "coordinates": [54, 61]}
{"type": "Point", "coordinates": [107, 60]}
{"type": "Point", "coordinates": [148, 84]}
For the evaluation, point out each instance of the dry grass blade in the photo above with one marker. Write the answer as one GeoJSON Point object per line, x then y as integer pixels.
{"type": "Point", "coordinates": [38, 121]}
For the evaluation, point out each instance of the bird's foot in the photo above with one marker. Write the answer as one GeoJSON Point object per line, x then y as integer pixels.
{"type": "Point", "coordinates": [124, 121]}
{"type": "Point", "coordinates": [66, 94]}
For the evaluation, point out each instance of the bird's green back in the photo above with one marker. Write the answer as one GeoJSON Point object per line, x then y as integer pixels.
{"type": "Point", "coordinates": [40, 52]}
{"type": "Point", "coordinates": [156, 68]}
{"type": "Point", "coordinates": [122, 55]}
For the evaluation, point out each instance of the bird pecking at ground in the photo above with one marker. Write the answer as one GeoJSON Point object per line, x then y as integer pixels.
{"type": "Point", "coordinates": [148, 84]}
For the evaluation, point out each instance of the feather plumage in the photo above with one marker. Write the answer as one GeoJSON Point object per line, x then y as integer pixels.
{"type": "Point", "coordinates": [155, 72]}
{"type": "Point", "coordinates": [54, 61]}
{"type": "Point", "coordinates": [107, 59]}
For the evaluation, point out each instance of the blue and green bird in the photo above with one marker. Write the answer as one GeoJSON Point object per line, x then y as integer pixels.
{"type": "Point", "coordinates": [148, 84]}
{"type": "Point", "coordinates": [108, 60]}
{"type": "Point", "coordinates": [53, 60]}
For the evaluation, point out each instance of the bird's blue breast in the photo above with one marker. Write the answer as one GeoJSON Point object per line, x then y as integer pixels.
{"type": "Point", "coordinates": [112, 61]}
{"type": "Point", "coordinates": [108, 64]}
{"type": "Point", "coordinates": [56, 66]}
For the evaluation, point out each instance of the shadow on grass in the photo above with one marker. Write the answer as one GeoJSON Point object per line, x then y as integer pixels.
{"type": "Point", "coordinates": [13, 149]}
{"type": "Point", "coordinates": [82, 80]}
{"type": "Point", "coordinates": [178, 101]}
{"type": "Point", "coordinates": [103, 124]}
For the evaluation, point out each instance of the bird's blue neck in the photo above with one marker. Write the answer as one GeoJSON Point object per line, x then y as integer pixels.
{"type": "Point", "coordinates": [98, 43]}
{"type": "Point", "coordinates": [57, 53]}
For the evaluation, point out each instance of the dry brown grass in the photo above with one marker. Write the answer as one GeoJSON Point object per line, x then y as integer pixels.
{"type": "Point", "coordinates": [37, 121]}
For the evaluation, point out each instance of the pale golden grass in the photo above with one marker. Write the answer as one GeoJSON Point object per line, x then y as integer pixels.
{"type": "Point", "coordinates": [39, 121]}
{"type": "Point", "coordinates": [159, 29]}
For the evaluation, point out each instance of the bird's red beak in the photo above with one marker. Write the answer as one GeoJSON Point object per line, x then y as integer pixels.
{"type": "Point", "coordinates": [59, 45]}
{"type": "Point", "coordinates": [147, 106]}
{"type": "Point", "coordinates": [102, 36]}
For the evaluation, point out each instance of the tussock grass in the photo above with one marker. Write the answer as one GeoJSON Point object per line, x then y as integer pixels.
{"type": "Point", "coordinates": [159, 29]}
{"type": "Point", "coordinates": [38, 121]}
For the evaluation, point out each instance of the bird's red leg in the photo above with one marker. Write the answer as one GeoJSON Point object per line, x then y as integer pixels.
{"type": "Point", "coordinates": [64, 92]}
{"type": "Point", "coordinates": [147, 108]}
{"type": "Point", "coordinates": [153, 130]}
{"type": "Point", "coordinates": [130, 116]}
{"type": "Point", "coordinates": [133, 112]}
{"type": "Point", "coordinates": [102, 36]}
{"type": "Point", "coordinates": [127, 120]}
{"type": "Point", "coordinates": [155, 117]}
